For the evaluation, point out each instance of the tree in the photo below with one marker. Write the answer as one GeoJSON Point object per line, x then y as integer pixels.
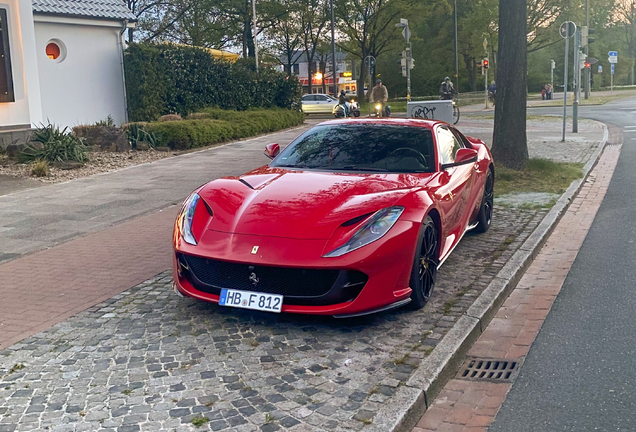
{"type": "Point", "coordinates": [197, 23]}
{"type": "Point", "coordinates": [625, 16]}
{"type": "Point", "coordinates": [285, 36]}
{"type": "Point", "coordinates": [313, 21]}
{"type": "Point", "coordinates": [370, 28]}
{"type": "Point", "coordinates": [509, 143]}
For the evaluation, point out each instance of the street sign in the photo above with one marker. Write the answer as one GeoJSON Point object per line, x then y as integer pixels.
{"type": "Point", "coordinates": [612, 59]}
{"type": "Point", "coordinates": [613, 53]}
{"type": "Point", "coordinates": [407, 34]}
{"type": "Point", "coordinates": [567, 29]}
{"type": "Point", "coordinates": [612, 68]}
{"type": "Point", "coordinates": [600, 69]}
{"type": "Point", "coordinates": [592, 60]}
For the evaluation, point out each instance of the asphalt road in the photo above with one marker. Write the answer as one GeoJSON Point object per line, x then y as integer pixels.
{"type": "Point", "coordinates": [580, 374]}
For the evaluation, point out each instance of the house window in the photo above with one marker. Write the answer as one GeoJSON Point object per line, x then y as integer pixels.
{"type": "Point", "coordinates": [6, 77]}
{"type": "Point", "coordinates": [296, 69]}
{"type": "Point", "coordinates": [55, 50]}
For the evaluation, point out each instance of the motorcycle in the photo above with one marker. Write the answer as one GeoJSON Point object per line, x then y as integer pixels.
{"type": "Point", "coordinates": [351, 108]}
{"type": "Point", "coordinates": [382, 110]}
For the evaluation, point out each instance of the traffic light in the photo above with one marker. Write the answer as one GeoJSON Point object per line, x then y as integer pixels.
{"type": "Point", "coordinates": [403, 63]}
{"type": "Point", "coordinates": [583, 63]}
{"type": "Point", "coordinates": [484, 63]}
{"type": "Point", "coordinates": [585, 36]}
{"type": "Point", "coordinates": [411, 63]}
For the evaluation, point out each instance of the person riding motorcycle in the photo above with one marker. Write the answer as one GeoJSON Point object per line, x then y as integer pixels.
{"type": "Point", "coordinates": [446, 90]}
{"type": "Point", "coordinates": [344, 102]}
{"type": "Point", "coordinates": [380, 95]}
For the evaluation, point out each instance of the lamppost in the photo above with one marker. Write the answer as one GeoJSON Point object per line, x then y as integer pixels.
{"type": "Point", "coordinates": [255, 43]}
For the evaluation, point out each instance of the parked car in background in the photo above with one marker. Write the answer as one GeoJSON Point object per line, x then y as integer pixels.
{"type": "Point", "coordinates": [318, 104]}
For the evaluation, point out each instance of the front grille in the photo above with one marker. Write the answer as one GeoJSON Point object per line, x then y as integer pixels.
{"type": "Point", "coordinates": [299, 286]}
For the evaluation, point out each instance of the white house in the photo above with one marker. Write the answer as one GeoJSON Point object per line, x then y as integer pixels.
{"type": "Point", "coordinates": [61, 61]}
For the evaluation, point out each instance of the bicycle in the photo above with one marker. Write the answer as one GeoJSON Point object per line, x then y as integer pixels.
{"type": "Point", "coordinates": [455, 111]}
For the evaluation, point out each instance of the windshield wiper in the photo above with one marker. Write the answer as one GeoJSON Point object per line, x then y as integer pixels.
{"type": "Point", "coordinates": [356, 168]}
{"type": "Point", "coordinates": [292, 166]}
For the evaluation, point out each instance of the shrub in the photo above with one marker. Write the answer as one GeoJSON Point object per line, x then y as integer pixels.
{"type": "Point", "coordinates": [109, 122]}
{"type": "Point", "coordinates": [166, 78]}
{"type": "Point", "coordinates": [40, 168]}
{"type": "Point", "coordinates": [221, 126]}
{"type": "Point", "coordinates": [170, 117]}
{"type": "Point", "coordinates": [56, 146]}
{"type": "Point", "coordinates": [198, 116]}
{"type": "Point", "coordinates": [137, 133]}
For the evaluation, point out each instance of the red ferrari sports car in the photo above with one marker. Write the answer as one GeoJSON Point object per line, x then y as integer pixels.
{"type": "Point", "coordinates": [353, 217]}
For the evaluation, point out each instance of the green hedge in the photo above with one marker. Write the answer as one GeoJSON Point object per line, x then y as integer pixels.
{"type": "Point", "coordinates": [175, 79]}
{"type": "Point", "coordinates": [221, 126]}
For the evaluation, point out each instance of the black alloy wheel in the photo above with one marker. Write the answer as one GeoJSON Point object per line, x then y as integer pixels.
{"type": "Point", "coordinates": [484, 219]}
{"type": "Point", "coordinates": [424, 272]}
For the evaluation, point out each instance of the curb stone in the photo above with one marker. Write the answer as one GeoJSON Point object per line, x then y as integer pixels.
{"type": "Point", "coordinates": [412, 399]}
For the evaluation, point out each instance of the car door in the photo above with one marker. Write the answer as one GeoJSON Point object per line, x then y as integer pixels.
{"type": "Point", "coordinates": [310, 104]}
{"type": "Point", "coordinates": [324, 104]}
{"type": "Point", "coordinates": [455, 187]}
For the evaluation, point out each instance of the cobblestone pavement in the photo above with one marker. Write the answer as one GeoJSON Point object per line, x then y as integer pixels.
{"type": "Point", "coordinates": [148, 360]}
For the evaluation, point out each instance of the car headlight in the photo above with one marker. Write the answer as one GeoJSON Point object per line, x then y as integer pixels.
{"type": "Point", "coordinates": [378, 106]}
{"type": "Point", "coordinates": [184, 220]}
{"type": "Point", "coordinates": [374, 229]}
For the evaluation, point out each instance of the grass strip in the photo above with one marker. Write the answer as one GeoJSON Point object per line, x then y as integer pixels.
{"type": "Point", "coordinates": [540, 175]}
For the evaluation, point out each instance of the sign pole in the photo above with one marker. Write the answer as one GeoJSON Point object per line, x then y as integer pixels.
{"type": "Point", "coordinates": [577, 81]}
{"type": "Point", "coordinates": [565, 85]}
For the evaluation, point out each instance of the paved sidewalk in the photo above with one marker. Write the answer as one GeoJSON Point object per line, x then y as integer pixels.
{"type": "Point", "coordinates": [471, 405]}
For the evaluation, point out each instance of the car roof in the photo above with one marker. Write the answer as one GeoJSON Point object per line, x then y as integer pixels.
{"type": "Point", "coordinates": [387, 121]}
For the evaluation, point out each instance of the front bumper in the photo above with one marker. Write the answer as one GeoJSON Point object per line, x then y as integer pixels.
{"type": "Point", "coordinates": [366, 279]}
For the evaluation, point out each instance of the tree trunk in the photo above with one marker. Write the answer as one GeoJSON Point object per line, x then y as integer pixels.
{"type": "Point", "coordinates": [509, 142]}
{"type": "Point", "coordinates": [248, 38]}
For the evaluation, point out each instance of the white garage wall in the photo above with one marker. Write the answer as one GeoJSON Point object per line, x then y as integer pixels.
{"type": "Point", "coordinates": [88, 85]}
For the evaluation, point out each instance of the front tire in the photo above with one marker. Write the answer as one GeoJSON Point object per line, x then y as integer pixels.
{"type": "Point", "coordinates": [484, 218]}
{"type": "Point", "coordinates": [424, 272]}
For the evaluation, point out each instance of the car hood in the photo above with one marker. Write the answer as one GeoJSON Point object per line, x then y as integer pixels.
{"type": "Point", "coordinates": [300, 204]}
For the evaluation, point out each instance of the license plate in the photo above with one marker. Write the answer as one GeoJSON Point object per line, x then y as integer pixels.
{"type": "Point", "coordinates": [251, 300]}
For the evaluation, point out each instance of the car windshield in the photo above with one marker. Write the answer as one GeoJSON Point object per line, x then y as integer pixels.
{"type": "Point", "coordinates": [361, 147]}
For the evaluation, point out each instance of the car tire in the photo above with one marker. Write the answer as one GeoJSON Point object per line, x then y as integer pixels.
{"type": "Point", "coordinates": [484, 218]}
{"type": "Point", "coordinates": [425, 263]}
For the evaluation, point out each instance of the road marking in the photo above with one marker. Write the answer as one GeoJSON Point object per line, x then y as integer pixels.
{"type": "Point", "coordinates": [628, 127]}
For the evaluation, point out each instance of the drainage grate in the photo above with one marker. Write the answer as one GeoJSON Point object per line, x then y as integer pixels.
{"type": "Point", "coordinates": [485, 369]}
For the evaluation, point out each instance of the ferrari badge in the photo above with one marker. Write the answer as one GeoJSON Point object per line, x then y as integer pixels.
{"type": "Point", "coordinates": [254, 249]}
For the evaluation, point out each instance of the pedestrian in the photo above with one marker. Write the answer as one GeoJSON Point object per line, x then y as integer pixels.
{"type": "Point", "coordinates": [544, 92]}
{"type": "Point", "coordinates": [379, 94]}
{"type": "Point", "coordinates": [549, 91]}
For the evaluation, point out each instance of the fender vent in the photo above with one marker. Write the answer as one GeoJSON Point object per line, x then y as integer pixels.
{"type": "Point", "coordinates": [487, 369]}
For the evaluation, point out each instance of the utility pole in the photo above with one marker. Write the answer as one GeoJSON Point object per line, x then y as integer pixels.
{"type": "Point", "coordinates": [456, 64]}
{"type": "Point", "coordinates": [409, 56]}
{"type": "Point", "coordinates": [333, 54]}
{"type": "Point", "coordinates": [484, 64]}
{"type": "Point", "coordinates": [587, 54]}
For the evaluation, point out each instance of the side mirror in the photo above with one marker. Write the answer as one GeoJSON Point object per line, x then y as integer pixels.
{"type": "Point", "coordinates": [462, 157]}
{"type": "Point", "coordinates": [272, 150]}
